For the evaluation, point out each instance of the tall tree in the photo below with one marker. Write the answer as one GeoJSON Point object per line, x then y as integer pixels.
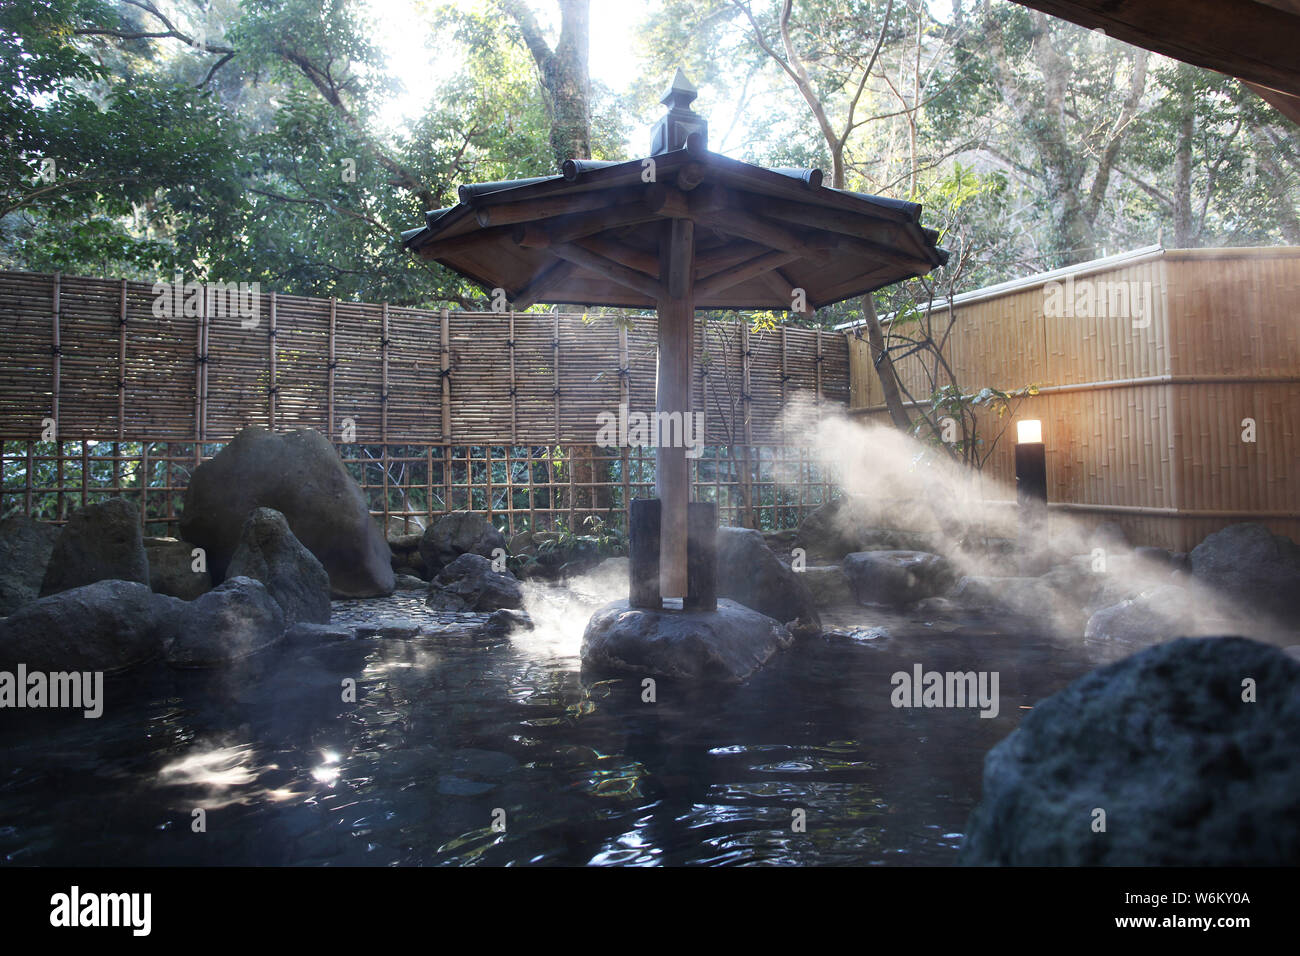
{"type": "Point", "coordinates": [564, 73]}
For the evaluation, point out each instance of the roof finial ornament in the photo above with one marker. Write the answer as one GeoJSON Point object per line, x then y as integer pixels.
{"type": "Point", "coordinates": [681, 92]}
{"type": "Point", "coordinates": [680, 121]}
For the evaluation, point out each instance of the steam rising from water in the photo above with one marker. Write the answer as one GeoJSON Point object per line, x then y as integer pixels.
{"type": "Point", "coordinates": [897, 482]}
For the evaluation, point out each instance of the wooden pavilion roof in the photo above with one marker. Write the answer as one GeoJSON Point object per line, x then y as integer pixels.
{"type": "Point", "coordinates": [592, 234]}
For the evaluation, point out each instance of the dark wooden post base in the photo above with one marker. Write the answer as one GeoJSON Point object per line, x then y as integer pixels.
{"type": "Point", "coordinates": [701, 557]}
{"type": "Point", "coordinates": [643, 553]}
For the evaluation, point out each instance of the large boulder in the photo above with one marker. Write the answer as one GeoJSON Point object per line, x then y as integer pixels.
{"type": "Point", "coordinates": [1187, 772]}
{"type": "Point", "coordinates": [725, 645]}
{"type": "Point", "coordinates": [470, 584]}
{"type": "Point", "coordinates": [106, 626]}
{"type": "Point", "coordinates": [853, 523]}
{"type": "Point", "coordinates": [25, 549]}
{"type": "Point", "coordinates": [171, 569]}
{"type": "Point", "coordinates": [300, 475]}
{"type": "Point", "coordinates": [406, 557]}
{"type": "Point", "coordinates": [1253, 567]}
{"type": "Point", "coordinates": [101, 542]}
{"type": "Point", "coordinates": [828, 585]}
{"type": "Point", "coordinates": [457, 533]}
{"type": "Point", "coordinates": [896, 578]}
{"type": "Point", "coordinates": [269, 552]}
{"type": "Point", "coordinates": [233, 620]}
{"type": "Point", "coordinates": [750, 574]}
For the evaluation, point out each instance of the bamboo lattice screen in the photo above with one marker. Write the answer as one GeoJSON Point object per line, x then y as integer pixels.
{"type": "Point", "coordinates": [432, 411]}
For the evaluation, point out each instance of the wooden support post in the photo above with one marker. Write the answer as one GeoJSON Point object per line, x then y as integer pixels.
{"type": "Point", "coordinates": [625, 399]}
{"type": "Point", "coordinates": [445, 385]}
{"type": "Point", "coordinates": [31, 466]}
{"type": "Point", "coordinates": [121, 371]}
{"type": "Point", "coordinates": [272, 388]}
{"type": "Point", "coordinates": [383, 408]}
{"type": "Point", "coordinates": [56, 355]}
{"type": "Point", "coordinates": [85, 473]}
{"type": "Point", "coordinates": [746, 484]}
{"type": "Point", "coordinates": [676, 308]}
{"type": "Point", "coordinates": [643, 553]}
{"type": "Point", "coordinates": [329, 407]}
{"type": "Point", "coordinates": [702, 557]}
{"type": "Point", "coordinates": [144, 484]}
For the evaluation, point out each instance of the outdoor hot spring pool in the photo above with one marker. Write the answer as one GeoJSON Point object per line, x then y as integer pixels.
{"type": "Point", "coordinates": [447, 731]}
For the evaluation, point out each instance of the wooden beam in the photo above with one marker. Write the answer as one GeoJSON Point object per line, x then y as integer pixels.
{"type": "Point", "coordinates": [748, 269]}
{"type": "Point", "coordinates": [542, 284]}
{"type": "Point", "coordinates": [539, 235]}
{"type": "Point", "coordinates": [623, 254]}
{"type": "Point", "coordinates": [673, 399]}
{"type": "Point", "coordinates": [593, 262]}
{"type": "Point", "coordinates": [441, 247]}
{"type": "Point", "coordinates": [546, 207]}
{"type": "Point", "coordinates": [724, 257]}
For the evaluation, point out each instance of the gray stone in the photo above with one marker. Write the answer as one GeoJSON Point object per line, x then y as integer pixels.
{"type": "Point", "coordinates": [1251, 566]}
{"type": "Point", "coordinates": [300, 475]}
{"type": "Point", "coordinates": [504, 621]}
{"type": "Point", "coordinates": [457, 533]}
{"type": "Point", "coordinates": [469, 584]}
{"type": "Point", "coordinates": [106, 626]}
{"type": "Point", "coordinates": [234, 620]}
{"type": "Point", "coordinates": [725, 645]}
{"type": "Point", "coordinates": [1151, 617]}
{"type": "Point", "coordinates": [269, 552]}
{"type": "Point", "coordinates": [855, 523]}
{"type": "Point", "coordinates": [828, 585]}
{"type": "Point", "coordinates": [896, 578]}
{"type": "Point", "coordinates": [171, 569]}
{"type": "Point", "coordinates": [101, 542]}
{"type": "Point", "coordinates": [409, 582]}
{"type": "Point", "coordinates": [750, 574]}
{"type": "Point", "coordinates": [25, 548]}
{"type": "Point", "coordinates": [305, 632]}
{"type": "Point", "coordinates": [1187, 773]}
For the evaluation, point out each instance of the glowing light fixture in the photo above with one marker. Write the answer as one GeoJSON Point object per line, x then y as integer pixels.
{"type": "Point", "coordinates": [1029, 430]}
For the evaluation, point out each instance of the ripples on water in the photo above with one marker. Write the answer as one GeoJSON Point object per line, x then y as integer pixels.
{"type": "Point", "coordinates": [446, 733]}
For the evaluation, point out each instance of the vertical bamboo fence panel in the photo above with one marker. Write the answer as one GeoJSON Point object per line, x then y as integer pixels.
{"type": "Point", "coordinates": [431, 411]}
{"type": "Point", "coordinates": [1144, 408]}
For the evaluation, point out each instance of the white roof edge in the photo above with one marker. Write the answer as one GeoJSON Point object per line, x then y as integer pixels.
{"type": "Point", "coordinates": [1028, 282]}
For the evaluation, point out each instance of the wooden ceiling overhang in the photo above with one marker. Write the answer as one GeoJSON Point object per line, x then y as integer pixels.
{"type": "Point", "coordinates": [592, 234]}
{"type": "Point", "coordinates": [1257, 41]}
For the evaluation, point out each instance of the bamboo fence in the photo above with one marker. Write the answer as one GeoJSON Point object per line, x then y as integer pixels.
{"type": "Point", "coordinates": [431, 411]}
{"type": "Point", "coordinates": [1146, 422]}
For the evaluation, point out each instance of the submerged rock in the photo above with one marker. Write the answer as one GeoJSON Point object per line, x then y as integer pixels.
{"type": "Point", "coordinates": [25, 549]}
{"type": "Point", "coordinates": [457, 533]}
{"type": "Point", "coordinates": [470, 584]}
{"type": "Point", "coordinates": [106, 626]}
{"type": "Point", "coordinates": [896, 578]}
{"type": "Point", "coordinates": [237, 618]}
{"type": "Point", "coordinates": [750, 574]}
{"type": "Point", "coordinates": [269, 552]}
{"type": "Point", "coordinates": [171, 569]}
{"type": "Point", "coordinates": [724, 645]}
{"type": "Point", "coordinates": [101, 542]}
{"type": "Point", "coordinates": [1187, 772]}
{"type": "Point", "coordinates": [300, 475]}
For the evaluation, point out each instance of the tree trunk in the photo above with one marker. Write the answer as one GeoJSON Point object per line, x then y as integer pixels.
{"type": "Point", "coordinates": [884, 366]}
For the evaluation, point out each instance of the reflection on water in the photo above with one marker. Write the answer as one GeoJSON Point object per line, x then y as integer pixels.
{"type": "Point", "coordinates": [450, 740]}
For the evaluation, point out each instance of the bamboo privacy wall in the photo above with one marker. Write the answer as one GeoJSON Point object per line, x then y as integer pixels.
{"type": "Point", "coordinates": [91, 354]}
{"type": "Point", "coordinates": [1145, 422]}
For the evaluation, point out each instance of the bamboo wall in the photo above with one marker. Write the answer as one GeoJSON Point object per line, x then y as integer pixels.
{"type": "Point", "coordinates": [474, 402]}
{"type": "Point", "coordinates": [1143, 425]}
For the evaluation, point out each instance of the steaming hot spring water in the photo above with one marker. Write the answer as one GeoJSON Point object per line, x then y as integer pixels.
{"type": "Point", "coordinates": [410, 735]}
{"type": "Point", "coordinates": [453, 732]}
